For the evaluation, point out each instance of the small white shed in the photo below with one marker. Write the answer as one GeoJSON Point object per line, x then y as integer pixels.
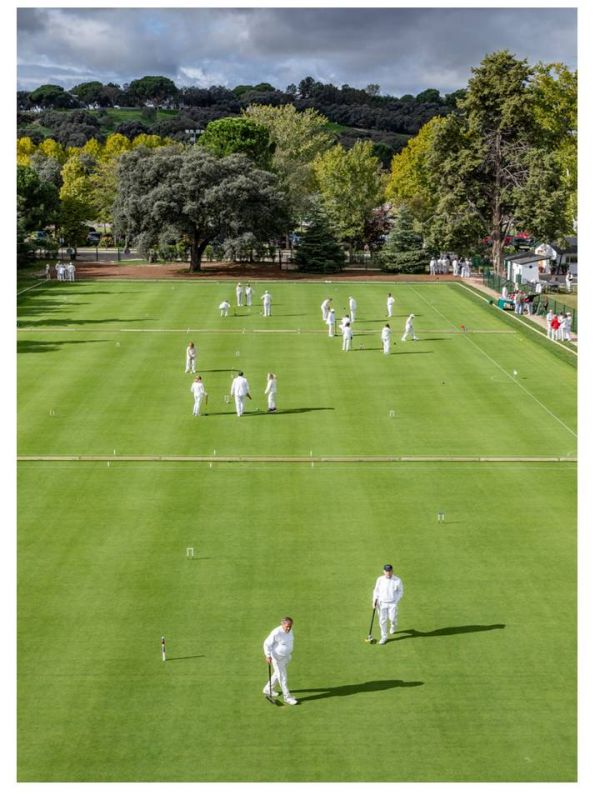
{"type": "Point", "coordinates": [524, 268]}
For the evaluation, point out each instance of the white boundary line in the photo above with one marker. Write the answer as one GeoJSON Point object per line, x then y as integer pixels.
{"type": "Point", "coordinates": [237, 459]}
{"type": "Point", "coordinates": [506, 372]}
{"type": "Point", "coordinates": [29, 288]}
{"type": "Point", "coordinates": [535, 329]}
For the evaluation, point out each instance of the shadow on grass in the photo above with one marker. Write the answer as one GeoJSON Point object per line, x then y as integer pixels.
{"type": "Point", "coordinates": [183, 658]}
{"type": "Point", "coordinates": [412, 633]}
{"type": "Point", "coordinates": [261, 413]}
{"type": "Point", "coordinates": [63, 323]}
{"type": "Point", "coordinates": [26, 346]}
{"type": "Point", "coordinates": [355, 688]}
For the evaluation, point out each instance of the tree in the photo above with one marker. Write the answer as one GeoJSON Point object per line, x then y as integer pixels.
{"type": "Point", "coordinates": [153, 89]}
{"type": "Point", "coordinates": [51, 96]}
{"type": "Point", "coordinates": [91, 93]}
{"type": "Point", "coordinates": [76, 192]}
{"type": "Point", "coordinates": [411, 182]}
{"type": "Point", "coordinates": [554, 89]}
{"type": "Point", "coordinates": [351, 186]}
{"type": "Point", "coordinates": [429, 96]}
{"type": "Point", "coordinates": [318, 250]}
{"type": "Point", "coordinates": [298, 138]}
{"type": "Point", "coordinates": [25, 149]}
{"type": "Point", "coordinates": [229, 135]}
{"type": "Point", "coordinates": [403, 250]}
{"type": "Point", "coordinates": [197, 194]}
{"type": "Point", "coordinates": [37, 200]}
{"type": "Point", "coordinates": [487, 159]}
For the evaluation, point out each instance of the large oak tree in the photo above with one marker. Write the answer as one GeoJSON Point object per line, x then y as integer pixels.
{"type": "Point", "coordinates": [202, 197]}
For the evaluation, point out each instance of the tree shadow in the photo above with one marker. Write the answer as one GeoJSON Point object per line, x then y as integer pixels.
{"type": "Point", "coordinates": [356, 688]}
{"type": "Point", "coordinates": [411, 633]}
{"type": "Point", "coordinates": [27, 346]}
{"type": "Point", "coordinates": [62, 323]}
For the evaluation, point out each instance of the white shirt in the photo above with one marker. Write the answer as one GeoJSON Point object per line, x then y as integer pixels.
{"type": "Point", "coordinates": [352, 303]}
{"type": "Point", "coordinates": [224, 305]}
{"type": "Point", "coordinates": [249, 291]}
{"type": "Point", "coordinates": [408, 324]}
{"type": "Point", "coordinates": [279, 644]}
{"type": "Point", "coordinates": [388, 590]}
{"type": "Point", "coordinates": [346, 332]}
{"type": "Point", "coordinates": [386, 334]}
{"type": "Point", "coordinates": [390, 301]}
{"type": "Point", "coordinates": [325, 306]}
{"type": "Point", "coordinates": [331, 317]}
{"type": "Point", "coordinates": [266, 298]}
{"type": "Point", "coordinates": [240, 387]}
{"type": "Point", "coordinates": [271, 386]}
{"type": "Point", "coordinates": [191, 352]}
{"type": "Point", "coordinates": [198, 390]}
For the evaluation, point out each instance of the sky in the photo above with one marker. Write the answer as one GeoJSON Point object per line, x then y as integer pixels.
{"type": "Point", "coordinates": [403, 50]}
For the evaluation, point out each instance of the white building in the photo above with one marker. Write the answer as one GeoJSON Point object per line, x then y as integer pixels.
{"type": "Point", "coordinates": [559, 260]}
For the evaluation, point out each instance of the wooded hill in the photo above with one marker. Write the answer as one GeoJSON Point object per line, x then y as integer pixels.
{"type": "Point", "coordinates": [154, 105]}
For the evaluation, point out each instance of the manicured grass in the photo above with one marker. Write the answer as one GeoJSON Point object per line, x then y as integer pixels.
{"type": "Point", "coordinates": [479, 685]}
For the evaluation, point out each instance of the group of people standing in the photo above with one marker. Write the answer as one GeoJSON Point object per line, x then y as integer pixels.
{"type": "Point", "coordinates": [240, 388]}
{"type": "Point", "coordinates": [243, 297]}
{"type": "Point", "coordinates": [64, 272]}
{"type": "Point", "coordinates": [329, 318]}
{"type": "Point", "coordinates": [461, 267]}
{"type": "Point", "coordinates": [558, 326]}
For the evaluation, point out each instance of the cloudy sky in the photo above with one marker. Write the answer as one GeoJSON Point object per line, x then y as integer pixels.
{"type": "Point", "coordinates": [404, 50]}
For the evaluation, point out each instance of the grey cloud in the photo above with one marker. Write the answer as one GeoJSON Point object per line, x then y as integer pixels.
{"type": "Point", "coordinates": [405, 50]}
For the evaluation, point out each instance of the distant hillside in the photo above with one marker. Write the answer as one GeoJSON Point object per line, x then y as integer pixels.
{"type": "Point", "coordinates": [155, 105]}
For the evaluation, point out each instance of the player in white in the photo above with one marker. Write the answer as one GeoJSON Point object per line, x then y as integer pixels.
{"type": "Point", "coordinates": [190, 358]}
{"type": "Point", "coordinates": [408, 329]}
{"type": "Point", "coordinates": [432, 266]}
{"type": "Point", "coordinates": [199, 392]}
{"type": "Point", "coordinates": [386, 338]}
{"type": "Point", "coordinates": [352, 307]}
{"type": "Point", "coordinates": [224, 308]}
{"type": "Point", "coordinates": [266, 298]}
{"type": "Point", "coordinates": [387, 594]}
{"type": "Point", "coordinates": [271, 391]}
{"type": "Point", "coordinates": [325, 306]}
{"type": "Point", "coordinates": [239, 295]}
{"type": "Point", "coordinates": [249, 291]}
{"type": "Point", "coordinates": [549, 318]}
{"type": "Point", "coordinates": [278, 647]}
{"type": "Point", "coordinates": [331, 321]}
{"type": "Point", "coordinates": [347, 337]}
{"type": "Point", "coordinates": [390, 304]}
{"type": "Point", "coordinates": [567, 330]}
{"type": "Point", "coordinates": [240, 390]}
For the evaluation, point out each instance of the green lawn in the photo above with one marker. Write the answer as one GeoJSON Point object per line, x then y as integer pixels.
{"type": "Point", "coordinates": [480, 685]}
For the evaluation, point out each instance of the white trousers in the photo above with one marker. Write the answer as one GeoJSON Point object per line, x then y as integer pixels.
{"type": "Point", "coordinates": [386, 346]}
{"type": "Point", "coordinates": [190, 364]}
{"type": "Point", "coordinates": [197, 402]}
{"type": "Point", "coordinates": [271, 400]}
{"type": "Point", "coordinates": [238, 298]}
{"type": "Point", "coordinates": [346, 344]}
{"type": "Point", "coordinates": [408, 332]}
{"type": "Point", "coordinates": [331, 329]}
{"type": "Point", "coordinates": [278, 676]}
{"type": "Point", "coordinates": [352, 315]}
{"type": "Point", "coordinates": [239, 404]}
{"type": "Point", "coordinates": [267, 310]}
{"type": "Point", "coordinates": [389, 310]}
{"type": "Point", "coordinates": [385, 612]}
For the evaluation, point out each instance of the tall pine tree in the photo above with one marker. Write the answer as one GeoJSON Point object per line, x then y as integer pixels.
{"type": "Point", "coordinates": [318, 250]}
{"type": "Point", "coordinates": [403, 251]}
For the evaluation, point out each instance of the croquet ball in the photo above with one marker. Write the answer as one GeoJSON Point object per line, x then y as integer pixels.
{"type": "Point", "coordinates": [515, 372]}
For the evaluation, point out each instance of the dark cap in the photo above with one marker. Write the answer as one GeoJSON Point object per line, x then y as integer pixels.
{"type": "Point", "coordinates": [388, 568]}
